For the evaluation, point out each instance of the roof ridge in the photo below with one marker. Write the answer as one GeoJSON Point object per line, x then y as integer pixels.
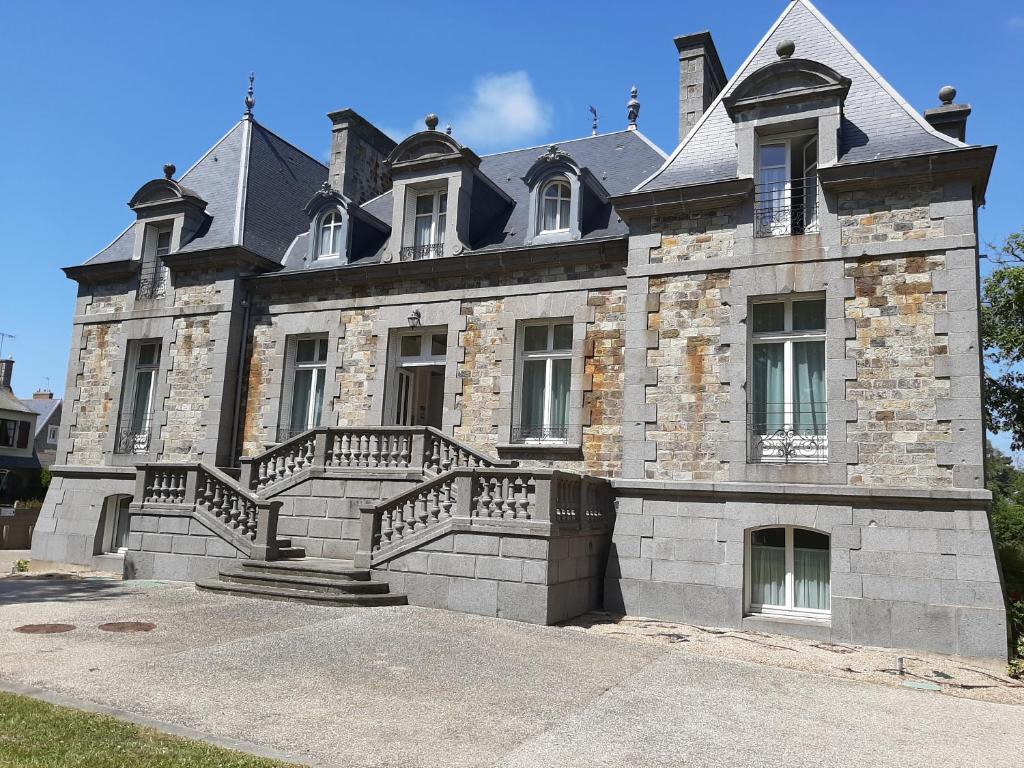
{"type": "Point", "coordinates": [721, 94]}
{"type": "Point", "coordinates": [559, 143]}
{"type": "Point", "coordinates": [876, 75]}
{"type": "Point", "coordinates": [291, 144]}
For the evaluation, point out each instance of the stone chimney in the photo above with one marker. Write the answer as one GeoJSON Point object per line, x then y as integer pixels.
{"type": "Point", "coordinates": [701, 78]}
{"type": "Point", "coordinates": [949, 118]}
{"type": "Point", "coordinates": [358, 152]}
{"type": "Point", "coordinates": [6, 372]}
{"type": "Point", "coordinates": [42, 394]}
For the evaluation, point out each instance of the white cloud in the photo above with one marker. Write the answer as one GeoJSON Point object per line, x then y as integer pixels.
{"type": "Point", "coordinates": [503, 111]}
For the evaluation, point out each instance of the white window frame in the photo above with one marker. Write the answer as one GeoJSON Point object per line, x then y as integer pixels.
{"type": "Point", "coordinates": [562, 226]}
{"type": "Point", "coordinates": [131, 395]}
{"type": "Point", "coordinates": [153, 253]}
{"type": "Point", "coordinates": [333, 220]}
{"type": "Point", "coordinates": [51, 434]}
{"type": "Point", "coordinates": [293, 366]}
{"type": "Point", "coordinates": [780, 228]}
{"type": "Point", "coordinates": [787, 337]}
{"type": "Point", "coordinates": [111, 518]}
{"type": "Point", "coordinates": [789, 610]}
{"type": "Point", "coordinates": [549, 354]}
{"type": "Point", "coordinates": [425, 356]}
{"type": "Point", "coordinates": [438, 218]}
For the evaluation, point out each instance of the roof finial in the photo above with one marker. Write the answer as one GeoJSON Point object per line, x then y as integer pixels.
{"type": "Point", "coordinates": [593, 125]}
{"type": "Point", "coordinates": [448, 129]}
{"type": "Point", "coordinates": [785, 48]}
{"type": "Point", "coordinates": [633, 108]}
{"type": "Point", "coordinates": [169, 170]}
{"type": "Point", "coordinates": [946, 94]}
{"type": "Point", "coordinates": [431, 121]}
{"type": "Point", "coordinates": [250, 101]}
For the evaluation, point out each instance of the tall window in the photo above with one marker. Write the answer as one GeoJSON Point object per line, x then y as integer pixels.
{"type": "Point", "coordinates": [330, 244]}
{"type": "Point", "coordinates": [114, 520]}
{"type": "Point", "coordinates": [153, 272]}
{"type": "Point", "coordinates": [14, 434]}
{"type": "Point", "coordinates": [431, 219]}
{"type": "Point", "coordinates": [787, 405]}
{"type": "Point", "coordinates": [137, 401]}
{"type": "Point", "coordinates": [545, 356]}
{"type": "Point", "coordinates": [305, 395]}
{"type": "Point", "coordinates": [788, 572]}
{"type": "Point", "coordinates": [786, 197]}
{"type": "Point", "coordinates": [555, 204]}
{"type": "Point", "coordinates": [51, 434]}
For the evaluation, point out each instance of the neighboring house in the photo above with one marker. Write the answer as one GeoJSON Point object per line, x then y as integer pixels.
{"type": "Point", "coordinates": [19, 467]}
{"type": "Point", "coordinates": [736, 386]}
{"type": "Point", "coordinates": [48, 413]}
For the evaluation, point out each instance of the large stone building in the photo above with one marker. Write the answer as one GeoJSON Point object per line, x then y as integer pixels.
{"type": "Point", "coordinates": [737, 386]}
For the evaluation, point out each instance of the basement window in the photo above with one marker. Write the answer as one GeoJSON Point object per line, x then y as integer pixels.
{"type": "Point", "coordinates": [787, 572]}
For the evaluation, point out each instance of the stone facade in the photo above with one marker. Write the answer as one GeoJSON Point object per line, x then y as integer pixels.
{"type": "Point", "coordinates": [694, 236]}
{"type": "Point", "coordinates": [890, 214]}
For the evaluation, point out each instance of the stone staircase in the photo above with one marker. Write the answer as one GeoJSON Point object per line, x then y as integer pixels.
{"type": "Point", "coordinates": [310, 580]}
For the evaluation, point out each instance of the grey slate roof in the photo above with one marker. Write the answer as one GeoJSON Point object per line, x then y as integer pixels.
{"type": "Point", "coordinates": [8, 402]}
{"type": "Point", "coordinates": [619, 161]}
{"type": "Point", "coordinates": [44, 408]}
{"type": "Point", "coordinates": [877, 122]}
{"type": "Point", "coordinates": [274, 180]}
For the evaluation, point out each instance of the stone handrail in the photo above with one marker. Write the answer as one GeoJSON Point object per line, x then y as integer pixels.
{"type": "Point", "coordinates": [233, 512]}
{"type": "Point", "coordinates": [417, 449]}
{"type": "Point", "coordinates": [564, 500]}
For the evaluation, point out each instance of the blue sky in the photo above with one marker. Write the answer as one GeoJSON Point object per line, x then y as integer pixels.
{"type": "Point", "coordinates": [96, 97]}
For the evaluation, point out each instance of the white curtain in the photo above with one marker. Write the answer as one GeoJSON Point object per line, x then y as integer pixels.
{"type": "Point", "coordinates": [560, 375]}
{"type": "Point", "coordinates": [767, 575]}
{"type": "Point", "coordinates": [769, 389]}
{"type": "Point", "coordinates": [811, 578]}
{"type": "Point", "coordinates": [532, 406]}
{"type": "Point", "coordinates": [809, 387]}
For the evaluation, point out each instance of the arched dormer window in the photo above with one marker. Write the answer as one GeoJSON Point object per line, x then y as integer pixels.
{"type": "Point", "coordinates": [330, 236]}
{"type": "Point", "coordinates": [555, 203]}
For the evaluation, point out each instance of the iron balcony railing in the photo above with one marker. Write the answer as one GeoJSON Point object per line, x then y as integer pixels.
{"type": "Point", "coordinates": [787, 433]}
{"type": "Point", "coordinates": [418, 252]}
{"type": "Point", "coordinates": [786, 207]}
{"type": "Point", "coordinates": [152, 280]}
{"type": "Point", "coordinates": [134, 439]}
{"type": "Point", "coordinates": [525, 433]}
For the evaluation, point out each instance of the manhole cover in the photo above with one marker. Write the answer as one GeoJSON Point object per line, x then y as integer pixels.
{"type": "Point", "coordinates": [44, 629]}
{"type": "Point", "coordinates": [127, 626]}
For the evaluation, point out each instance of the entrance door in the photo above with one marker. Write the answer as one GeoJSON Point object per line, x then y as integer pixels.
{"type": "Point", "coordinates": [417, 377]}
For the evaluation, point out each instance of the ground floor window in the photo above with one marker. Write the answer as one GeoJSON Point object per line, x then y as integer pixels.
{"type": "Point", "coordinates": [113, 530]}
{"type": "Point", "coordinates": [787, 572]}
{"type": "Point", "coordinates": [305, 375]}
{"type": "Point", "coordinates": [543, 375]}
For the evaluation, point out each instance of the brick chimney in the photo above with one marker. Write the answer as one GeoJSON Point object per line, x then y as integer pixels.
{"type": "Point", "coordinates": [949, 118]}
{"type": "Point", "coordinates": [701, 78]}
{"type": "Point", "coordinates": [6, 372]}
{"type": "Point", "coordinates": [358, 152]}
{"type": "Point", "coordinates": [42, 394]}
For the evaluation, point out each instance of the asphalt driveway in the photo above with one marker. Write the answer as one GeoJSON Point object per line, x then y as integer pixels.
{"type": "Point", "coordinates": [415, 687]}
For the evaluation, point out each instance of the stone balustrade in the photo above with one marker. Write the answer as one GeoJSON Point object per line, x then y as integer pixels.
{"type": "Point", "coordinates": [544, 499]}
{"type": "Point", "coordinates": [233, 512]}
{"type": "Point", "coordinates": [333, 449]}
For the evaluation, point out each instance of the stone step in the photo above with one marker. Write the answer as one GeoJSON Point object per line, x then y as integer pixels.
{"type": "Point", "coordinates": [300, 596]}
{"type": "Point", "coordinates": [323, 568]}
{"type": "Point", "coordinates": [303, 581]}
{"type": "Point", "coordinates": [290, 553]}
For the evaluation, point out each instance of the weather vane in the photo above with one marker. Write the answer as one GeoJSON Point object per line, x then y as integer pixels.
{"type": "Point", "coordinates": [250, 100]}
{"type": "Point", "coordinates": [593, 125]}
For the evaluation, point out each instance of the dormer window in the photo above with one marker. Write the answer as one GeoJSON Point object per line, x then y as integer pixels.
{"type": "Point", "coordinates": [331, 239]}
{"type": "Point", "coordinates": [153, 272]}
{"type": "Point", "coordinates": [555, 204]}
{"type": "Point", "coordinates": [431, 219]}
{"type": "Point", "coordinates": [786, 195]}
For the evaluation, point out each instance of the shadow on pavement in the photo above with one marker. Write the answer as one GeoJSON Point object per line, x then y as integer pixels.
{"type": "Point", "coordinates": [55, 587]}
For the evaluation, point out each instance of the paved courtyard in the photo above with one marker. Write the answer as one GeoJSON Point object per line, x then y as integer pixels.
{"type": "Point", "coordinates": [414, 687]}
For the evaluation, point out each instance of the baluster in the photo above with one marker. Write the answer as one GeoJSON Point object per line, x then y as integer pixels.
{"type": "Point", "coordinates": [386, 530]}
{"type": "Point", "coordinates": [218, 500]}
{"type": "Point", "coordinates": [435, 455]}
{"type": "Point", "coordinates": [507, 505]}
{"type": "Point", "coordinates": [422, 510]}
{"type": "Point", "coordinates": [406, 453]}
{"type": "Point", "coordinates": [433, 510]}
{"type": "Point", "coordinates": [393, 451]}
{"type": "Point", "coordinates": [399, 522]}
{"type": "Point", "coordinates": [483, 503]}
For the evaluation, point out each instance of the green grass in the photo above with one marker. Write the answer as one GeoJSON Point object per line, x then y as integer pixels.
{"type": "Point", "coordinates": [34, 733]}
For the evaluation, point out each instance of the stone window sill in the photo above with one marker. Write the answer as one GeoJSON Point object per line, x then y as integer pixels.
{"type": "Point", "coordinates": [560, 449]}
{"type": "Point", "coordinates": [799, 626]}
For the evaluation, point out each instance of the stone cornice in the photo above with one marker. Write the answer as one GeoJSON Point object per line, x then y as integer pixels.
{"type": "Point", "coordinates": [728, 192]}
{"type": "Point", "coordinates": [104, 272]}
{"type": "Point", "coordinates": [231, 256]}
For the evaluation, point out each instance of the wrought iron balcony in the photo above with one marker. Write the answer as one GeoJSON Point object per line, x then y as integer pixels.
{"type": "Point", "coordinates": [526, 433]}
{"type": "Point", "coordinates": [152, 281]}
{"type": "Point", "coordinates": [786, 433]}
{"type": "Point", "coordinates": [418, 252]}
{"type": "Point", "coordinates": [786, 207]}
{"type": "Point", "coordinates": [133, 440]}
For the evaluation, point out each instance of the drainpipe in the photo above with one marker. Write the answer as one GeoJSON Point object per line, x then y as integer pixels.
{"type": "Point", "coordinates": [239, 371]}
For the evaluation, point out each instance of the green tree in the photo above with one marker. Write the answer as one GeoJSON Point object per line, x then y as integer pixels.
{"type": "Point", "coordinates": [1002, 332]}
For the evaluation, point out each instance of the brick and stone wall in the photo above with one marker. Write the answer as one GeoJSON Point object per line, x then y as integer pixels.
{"type": "Point", "coordinates": [482, 370]}
{"type": "Point", "coordinates": [890, 214]}
{"type": "Point", "coordinates": [694, 236]}
{"type": "Point", "coordinates": [188, 378]}
{"type": "Point", "coordinates": [89, 414]}
{"type": "Point", "coordinates": [689, 395]}
{"type": "Point", "coordinates": [896, 390]}
{"type": "Point", "coordinates": [604, 367]}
